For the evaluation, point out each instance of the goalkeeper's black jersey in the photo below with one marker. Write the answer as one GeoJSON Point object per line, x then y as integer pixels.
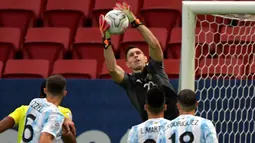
{"type": "Point", "coordinates": [136, 86]}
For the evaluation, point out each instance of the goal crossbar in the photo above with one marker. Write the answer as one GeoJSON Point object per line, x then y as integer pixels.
{"type": "Point", "coordinates": [189, 11]}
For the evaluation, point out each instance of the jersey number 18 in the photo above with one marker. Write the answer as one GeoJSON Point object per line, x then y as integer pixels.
{"type": "Point", "coordinates": [28, 127]}
{"type": "Point", "coordinates": [181, 139]}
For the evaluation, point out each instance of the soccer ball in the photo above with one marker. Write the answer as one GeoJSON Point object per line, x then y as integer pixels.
{"type": "Point", "coordinates": [117, 20]}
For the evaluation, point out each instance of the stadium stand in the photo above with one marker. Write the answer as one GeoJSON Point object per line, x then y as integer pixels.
{"type": "Point", "coordinates": [50, 43]}
{"type": "Point", "coordinates": [43, 37]}
{"type": "Point", "coordinates": [1, 68]}
{"type": "Point", "coordinates": [88, 44]}
{"type": "Point", "coordinates": [76, 68]}
{"type": "Point", "coordinates": [174, 43]}
{"type": "Point", "coordinates": [26, 69]}
{"type": "Point", "coordinates": [20, 14]}
{"type": "Point", "coordinates": [133, 37]}
{"type": "Point", "coordinates": [104, 74]}
{"type": "Point", "coordinates": [172, 68]}
{"type": "Point", "coordinates": [153, 12]}
{"type": "Point", "coordinates": [9, 42]}
{"type": "Point", "coordinates": [221, 68]}
{"type": "Point", "coordinates": [235, 41]}
{"type": "Point", "coordinates": [78, 38]}
{"type": "Point", "coordinates": [67, 13]}
{"type": "Point", "coordinates": [102, 7]}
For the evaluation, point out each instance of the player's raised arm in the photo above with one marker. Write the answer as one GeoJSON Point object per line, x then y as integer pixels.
{"type": "Point", "coordinates": [12, 119]}
{"type": "Point", "coordinates": [155, 48]}
{"type": "Point", "coordinates": [68, 131]}
{"type": "Point", "coordinates": [6, 124]}
{"type": "Point", "coordinates": [115, 71]}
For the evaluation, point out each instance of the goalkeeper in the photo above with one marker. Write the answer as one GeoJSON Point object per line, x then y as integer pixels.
{"type": "Point", "coordinates": [18, 116]}
{"type": "Point", "coordinates": [146, 73]}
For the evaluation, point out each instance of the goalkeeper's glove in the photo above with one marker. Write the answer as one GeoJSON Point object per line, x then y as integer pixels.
{"type": "Point", "coordinates": [104, 26]}
{"type": "Point", "coordinates": [125, 8]}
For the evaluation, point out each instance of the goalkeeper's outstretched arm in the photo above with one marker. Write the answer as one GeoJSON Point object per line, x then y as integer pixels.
{"type": "Point", "coordinates": [155, 48]}
{"type": "Point", "coordinates": [155, 51]}
{"type": "Point", "coordinates": [115, 71]}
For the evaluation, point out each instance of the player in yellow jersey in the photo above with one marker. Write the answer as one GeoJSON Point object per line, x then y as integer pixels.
{"type": "Point", "coordinates": [17, 118]}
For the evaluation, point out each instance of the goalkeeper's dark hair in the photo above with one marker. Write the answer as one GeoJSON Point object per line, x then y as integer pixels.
{"type": "Point", "coordinates": [56, 85]}
{"type": "Point", "coordinates": [187, 100]}
{"type": "Point", "coordinates": [129, 48]}
{"type": "Point", "coordinates": [155, 100]}
{"type": "Point", "coordinates": [43, 85]}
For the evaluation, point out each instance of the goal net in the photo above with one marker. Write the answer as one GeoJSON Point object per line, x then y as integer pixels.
{"type": "Point", "coordinates": [224, 63]}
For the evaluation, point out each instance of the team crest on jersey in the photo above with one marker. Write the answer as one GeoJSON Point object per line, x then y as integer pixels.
{"type": "Point", "coordinates": [149, 76]}
{"type": "Point", "coordinates": [55, 126]}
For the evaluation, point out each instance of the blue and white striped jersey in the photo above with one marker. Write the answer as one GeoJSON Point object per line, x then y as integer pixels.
{"type": "Point", "coordinates": [147, 131]}
{"type": "Point", "coordinates": [188, 128]}
{"type": "Point", "coordinates": [42, 116]}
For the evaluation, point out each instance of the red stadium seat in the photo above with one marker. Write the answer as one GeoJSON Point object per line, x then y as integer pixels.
{"type": "Point", "coordinates": [237, 42]}
{"type": "Point", "coordinates": [172, 67]}
{"type": "Point", "coordinates": [76, 68]}
{"type": "Point", "coordinates": [9, 43]}
{"type": "Point", "coordinates": [133, 37]}
{"type": "Point", "coordinates": [19, 13]}
{"type": "Point", "coordinates": [103, 6]}
{"type": "Point", "coordinates": [162, 13]}
{"type": "Point", "coordinates": [26, 69]}
{"type": "Point", "coordinates": [67, 13]}
{"type": "Point", "coordinates": [88, 44]}
{"type": "Point", "coordinates": [46, 43]}
{"type": "Point", "coordinates": [221, 68]}
{"type": "Point", "coordinates": [204, 40]}
{"type": "Point", "coordinates": [104, 74]}
{"type": "Point", "coordinates": [1, 68]}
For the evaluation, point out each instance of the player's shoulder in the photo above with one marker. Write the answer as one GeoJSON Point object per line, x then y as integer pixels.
{"type": "Point", "coordinates": [23, 107]}
{"type": "Point", "coordinates": [203, 120]}
{"type": "Point", "coordinates": [135, 127]}
{"type": "Point", "coordinates": [38, 100]}
{"type": "Point", "coordinates": [206, 122]}
{"type": "Point", "coordinates": [64, 109]}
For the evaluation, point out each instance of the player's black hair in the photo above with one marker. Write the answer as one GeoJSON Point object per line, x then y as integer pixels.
{"type": "Point", "coordinates": [56, 84]}
{"type": "Point", "coordinates": [155, 99]}
{"type": "Point", "coordinates": [129, 48]}
{"type": "Point", "coordinates": [42, 94]}
{"type": "Point", "coordinates": [187, 99]}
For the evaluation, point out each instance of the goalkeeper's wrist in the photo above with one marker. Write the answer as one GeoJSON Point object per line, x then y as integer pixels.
{"type": "Point", "coordinates": [107, 40]}
{"type": "Point", "coordinates": [136, 23]}
{"type": "Point", "coordinates": [107, 35]}
{"type": "Point", "coordinates": [107, 43]}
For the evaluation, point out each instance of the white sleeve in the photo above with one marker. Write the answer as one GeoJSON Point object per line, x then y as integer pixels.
{"type": "Point", "coordinates": [210, 132]}
{"type": "Point", "coordinates": [132, 136]}
{"type": "Point", "coordinates": [53, 124]}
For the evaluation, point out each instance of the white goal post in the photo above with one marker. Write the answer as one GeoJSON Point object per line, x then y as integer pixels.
{"type": "Point", "coordinates": [218, 63]}
{"type": "Point", "coordinates": [189, 11]}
